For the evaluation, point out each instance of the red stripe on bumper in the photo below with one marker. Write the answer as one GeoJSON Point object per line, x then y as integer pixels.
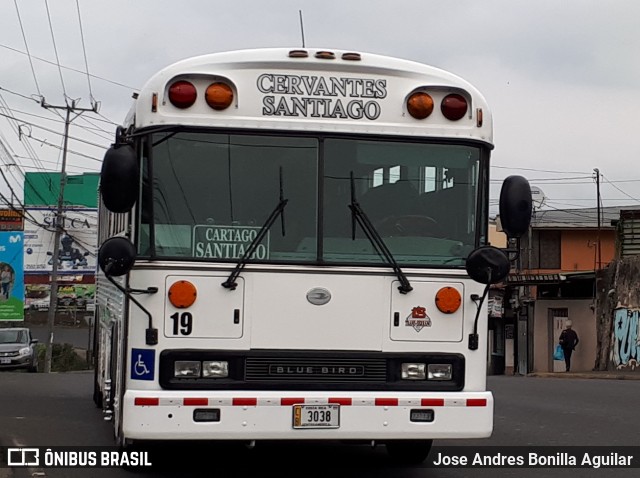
{"type": "Point", "coordinates": [252, 402]}
{"type": "Point", "coordinates": [341, 401]}
{"type": "Point", "coordinates": [476, 402]}
{"type": "Point", "coordinates": [386, 402]}
{"type": "Point", "coordinates": [146, 402]}
{"type": "Point", "coordinates": [291, 401]}
{"type": "Point", "coordinates": [432, 402]}
{"type": "Point", "coordinates": [195, 401]}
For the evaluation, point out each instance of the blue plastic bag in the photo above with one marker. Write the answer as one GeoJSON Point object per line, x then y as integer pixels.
{"type": "Point", "coordinates": [559, 353]}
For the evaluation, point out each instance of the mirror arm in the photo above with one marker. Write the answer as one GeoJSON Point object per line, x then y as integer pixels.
{"type": "Point", "coordinates": [148, 290]}
{"type": "Point", "coordinates": [151, 334]}
{"type": "Point", "coordinates": [473, 338]}
{"type": "Point", "coordinates": [512, 253]}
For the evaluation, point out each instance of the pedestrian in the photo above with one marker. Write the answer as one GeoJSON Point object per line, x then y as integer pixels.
{"type": "Point", "coordinates": [568, 340]}
{"type": "Point", "coordinates": [6, 277]}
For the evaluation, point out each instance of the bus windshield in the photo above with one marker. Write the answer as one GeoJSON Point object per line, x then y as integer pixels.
{"type": "Point", "coordinates": [206, 195]}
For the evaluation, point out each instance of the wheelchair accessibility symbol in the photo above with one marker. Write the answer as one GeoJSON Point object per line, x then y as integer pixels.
{"type": "Point", "coordinates": [142, 364]}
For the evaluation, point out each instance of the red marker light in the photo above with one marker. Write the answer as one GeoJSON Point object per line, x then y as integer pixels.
{"type": "Point", "coordinates": [182, 94]}
{"type": "Point", "coordinates": [454, 106]}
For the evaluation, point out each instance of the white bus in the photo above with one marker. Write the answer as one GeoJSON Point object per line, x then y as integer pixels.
{"type": "Point", "coordinates": [289, 242]}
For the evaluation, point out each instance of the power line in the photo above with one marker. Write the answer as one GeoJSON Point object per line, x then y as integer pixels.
{"type": "Point", "coordinates": [90, 143]}
{"type": "Point", "coordinates": [70, 68]}
{"type": "Point", "coordinates": [77, 153]}
{"type": "Point", "coordinates": [540, 170]}
{"type": "Point", "coordinates": [616, 187]}
{"type": "Point", "coordinates": [84, 51]}
{"type": "Point", "coordinates": [26, 46]}
{"type": "Point", "coordinates": [55, 48]}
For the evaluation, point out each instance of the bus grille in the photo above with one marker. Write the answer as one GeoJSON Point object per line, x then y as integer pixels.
{"type": "Point", "coordinates": [315, 369]}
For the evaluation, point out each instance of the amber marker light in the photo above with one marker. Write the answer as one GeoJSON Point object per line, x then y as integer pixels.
{"type": "Point", "coordinates": [182, 294]}
{"type": "Point", "coordinates": [454, 106]}
{"type": "Point", "coordinates": [219, 96]}
{"type": "Point", "coordinates": [182, 94]}
{"type": "Point", "coordinates": [448, 300]}
{"type": "Point", "coordinates": [420, 105]}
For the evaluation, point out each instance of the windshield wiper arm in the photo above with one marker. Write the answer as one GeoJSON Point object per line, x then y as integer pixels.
{"type": "Point", "coordinates": [231, 283]}
{"type": "Point", "coordinates": [358, 214]}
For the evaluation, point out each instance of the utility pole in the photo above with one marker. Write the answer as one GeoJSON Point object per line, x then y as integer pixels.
{"type": "Point", "coordinates": [597, 172]}
{"type": "Point", "coordinates": [53, 298]}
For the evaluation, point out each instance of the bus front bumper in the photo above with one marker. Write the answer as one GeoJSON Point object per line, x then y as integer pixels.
{"type": "Point", "coordinates": [167, 415]}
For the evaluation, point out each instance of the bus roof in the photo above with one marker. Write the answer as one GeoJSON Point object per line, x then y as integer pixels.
{"type": "Point", "coordinates": [313, 90]}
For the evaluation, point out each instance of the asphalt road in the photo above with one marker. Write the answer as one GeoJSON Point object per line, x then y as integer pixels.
{"type": "Point", "coordinates": [56, 409]}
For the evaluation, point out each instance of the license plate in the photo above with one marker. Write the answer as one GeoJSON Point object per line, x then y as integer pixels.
{"type": "Point", "coordinates": [316, 416]}
{"type": "Point", "coordinates": [5, 360]}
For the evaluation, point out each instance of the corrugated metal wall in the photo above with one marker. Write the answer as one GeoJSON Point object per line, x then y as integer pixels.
{"type": "Point", "coordinates": [629, 230]}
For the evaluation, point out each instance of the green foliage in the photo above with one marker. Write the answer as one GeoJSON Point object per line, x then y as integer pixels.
{"type": "Point", "coordinates": [63, 358]}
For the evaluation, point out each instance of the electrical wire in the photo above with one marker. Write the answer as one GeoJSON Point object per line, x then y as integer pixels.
{"type": "Point", "coordinates": [620, 190]}
{"type": "Point", "coordinates": [26, 46]}
{"type": "Point", "coordinates": [122, 85]}
{"type": "Point", "coordinates": [84, 52]}
{"type": "Point", "coordinates": [55, 49]}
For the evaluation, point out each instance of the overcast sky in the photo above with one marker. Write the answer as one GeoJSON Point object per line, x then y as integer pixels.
{"type": "Point", "coordinates": [562, 78]}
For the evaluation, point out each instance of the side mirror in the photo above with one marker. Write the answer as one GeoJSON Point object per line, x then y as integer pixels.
{"type": "Point", "coordinates": [116, 256]}
{"type": "Point", "coordinates": [515, 206]}
{"type": "Point", "coordinates": [488, 265]}
{"type": "Point", "coordinates": [119, 178]}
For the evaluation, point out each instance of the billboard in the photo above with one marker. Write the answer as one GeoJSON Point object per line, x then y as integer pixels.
{"type": "Point", "coordinates": [77, 243]}
{"type": "Point", "coordinates": [11, 220]}
{"type": "Point", "coordinates": [76, 297]}
{"type": "Point", "coordinates": [11, 276]}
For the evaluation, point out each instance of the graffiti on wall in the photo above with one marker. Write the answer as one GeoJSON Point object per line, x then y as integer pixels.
{"type": "Point", "coordinates": [626, 347]}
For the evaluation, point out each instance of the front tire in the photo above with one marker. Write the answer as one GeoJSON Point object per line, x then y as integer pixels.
{"type": "Point", "coordinates": [409, 452]}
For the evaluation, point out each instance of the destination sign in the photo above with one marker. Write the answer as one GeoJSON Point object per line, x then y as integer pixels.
{"type": "Point", "coordinates": [321, 97]}
{"type": "Point", "coordinates": [227, 242]}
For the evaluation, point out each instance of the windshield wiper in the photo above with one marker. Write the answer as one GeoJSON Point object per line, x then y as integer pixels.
{"type": "Point", "coordinates": [357, 214]}
{"type": "Point", "coordinates": [231, 283]}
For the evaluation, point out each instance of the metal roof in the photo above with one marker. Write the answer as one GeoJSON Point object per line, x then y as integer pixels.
{"type": "Point", "coordinates": [586, 218]}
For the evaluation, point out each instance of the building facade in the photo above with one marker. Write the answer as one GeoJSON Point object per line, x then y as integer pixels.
{"type": "Point", "coordinates": [553, 280]}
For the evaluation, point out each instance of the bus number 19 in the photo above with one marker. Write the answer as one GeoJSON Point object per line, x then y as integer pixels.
{"type": "Point", "coordinates": [182, 323]}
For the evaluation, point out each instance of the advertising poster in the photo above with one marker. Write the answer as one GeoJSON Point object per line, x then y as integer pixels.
{"type": "Point", "coordinates": [77, 242]}
{"type": "Point", "coordinates": [11, 220]}
{"type": "Point", "coordinates": [11, 276]}
{"type": "Point", "coordinates": [78, 297]}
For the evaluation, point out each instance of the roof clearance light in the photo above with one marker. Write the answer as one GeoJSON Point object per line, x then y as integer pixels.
{"type": "Point", "coordinates": [351, 56]}
{"type": "Point", "coordinates": [182, 94]}
{"type": "Point", "coordinates": [219, 96]}
{"type": "Point", "coordinates": [448, 300]}
{"type": "Point", "coordinates": [420, 105]}
{"type": "Point", "coordinates": [298, 54]}
{"type": "Point", "coordinates": [182, 294]}
{"type": "Point", "coordinates": [326, 55]}
{"type": "Point", "coordinates": [454, 106]}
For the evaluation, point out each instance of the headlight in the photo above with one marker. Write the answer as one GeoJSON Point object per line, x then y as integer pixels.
{"type": "Point", "coordinates": [414, 371]}
{"type": "Point", "coordinates": [187, 368]}
{"type": "Point", "coordinates": [437, 371]}
{"type": "Point", "coordinates": [215, 369]}
{"type": "Point", "coordinates": [25, 351]}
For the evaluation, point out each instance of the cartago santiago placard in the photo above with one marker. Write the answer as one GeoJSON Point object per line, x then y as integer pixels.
{"type": "Point", "coordinates": [227, 242]}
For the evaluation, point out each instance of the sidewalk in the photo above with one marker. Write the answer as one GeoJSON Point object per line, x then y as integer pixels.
{"type": "Point", "coordinates": [604, 375]}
